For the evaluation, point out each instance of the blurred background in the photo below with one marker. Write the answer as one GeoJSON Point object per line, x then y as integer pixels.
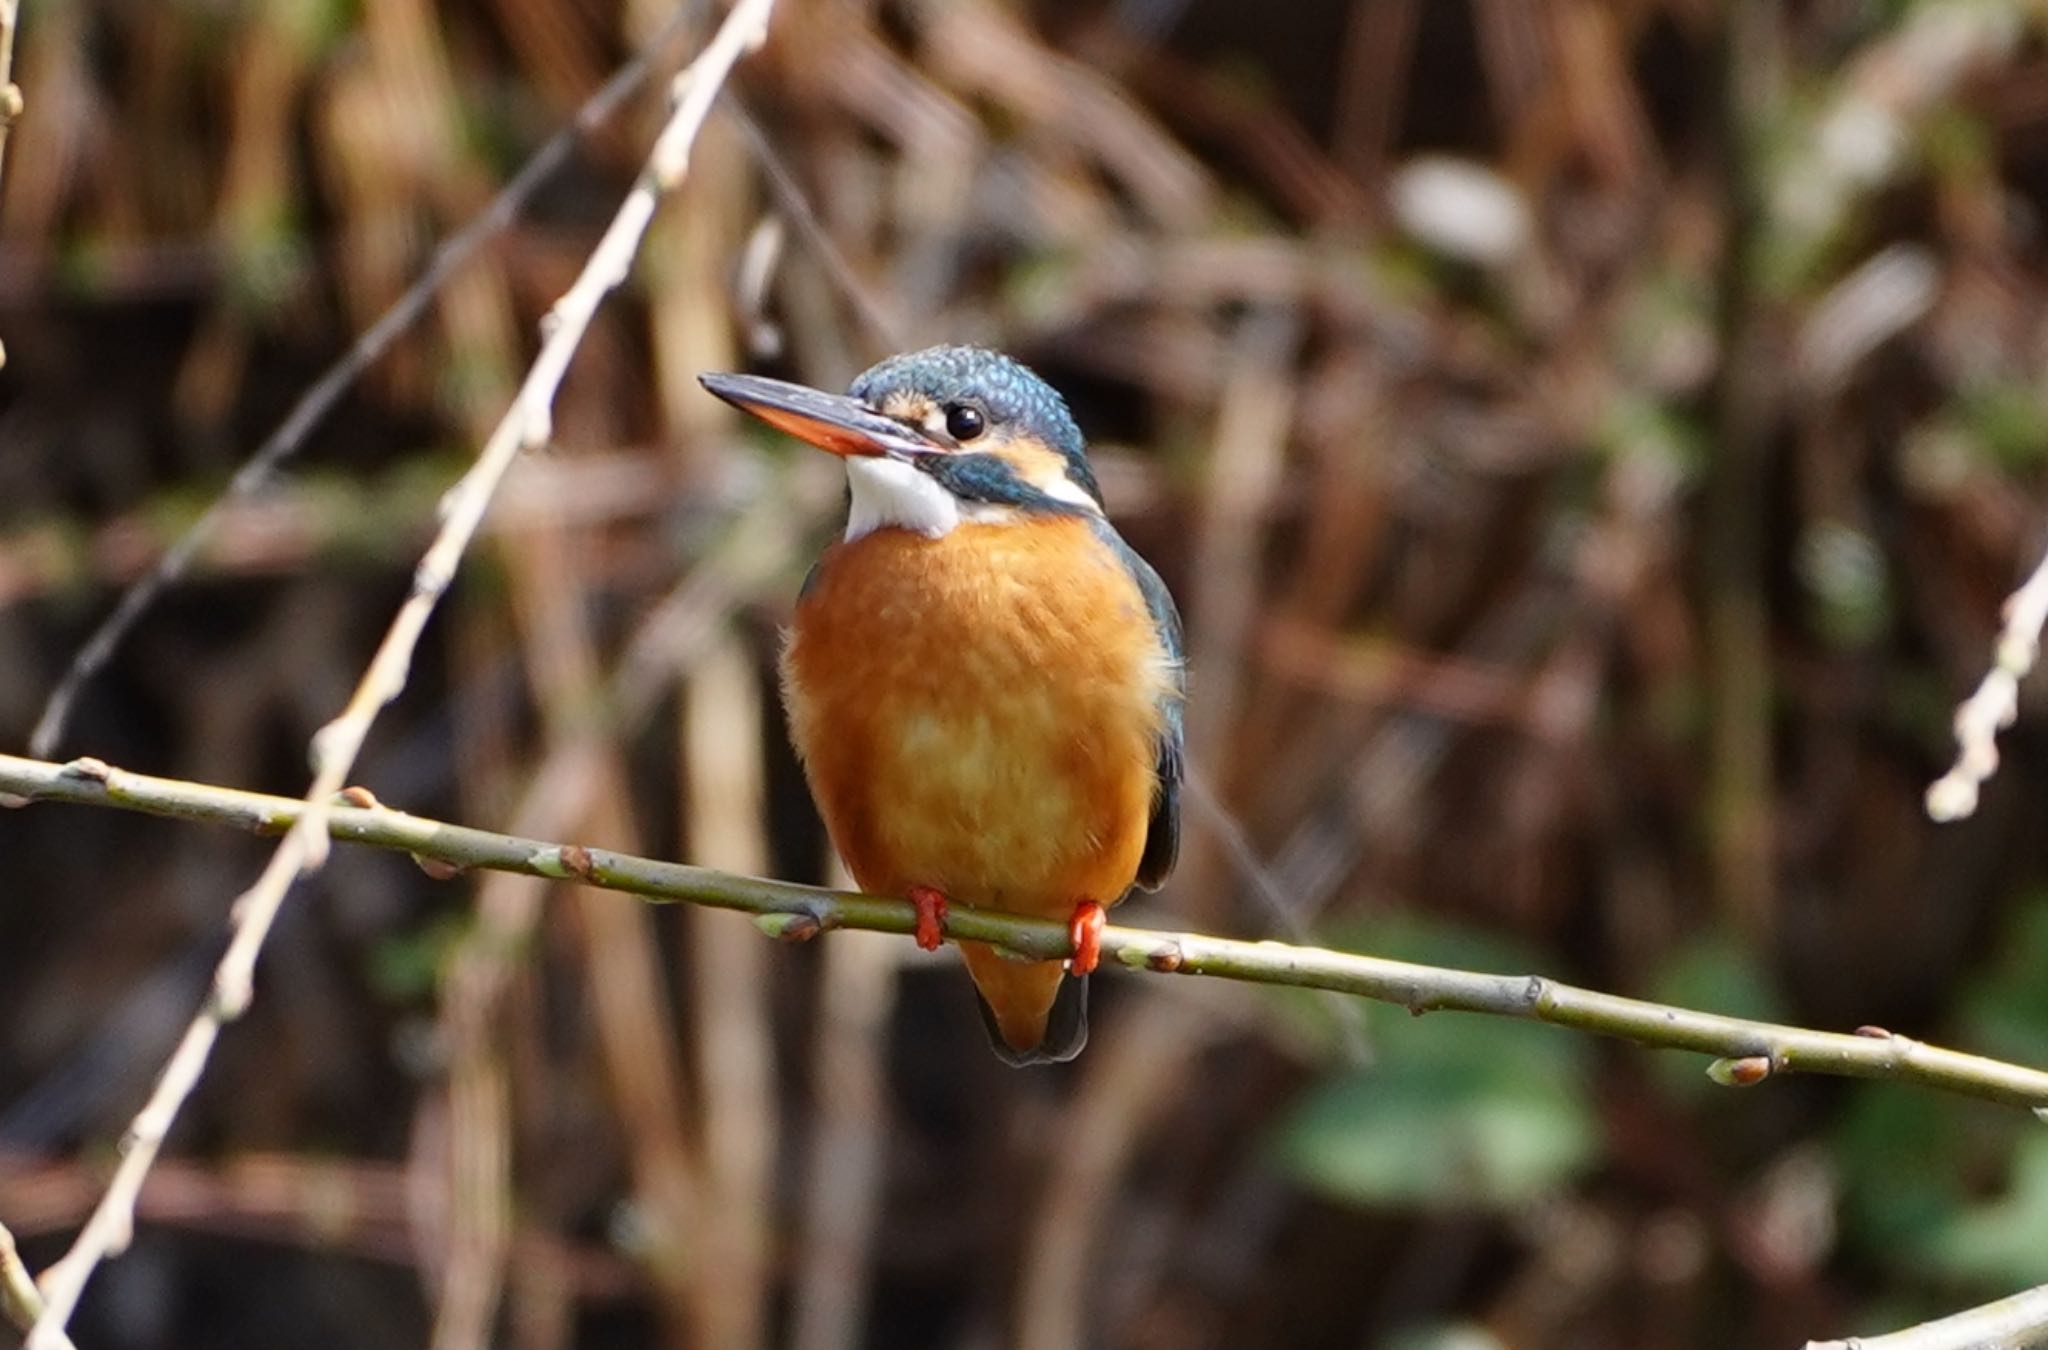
{"type": "Point", "coordinates": [1590, 441]}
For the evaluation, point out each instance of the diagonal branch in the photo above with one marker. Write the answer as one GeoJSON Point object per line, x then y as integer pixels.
{"type": "Point", "coordinates": [1748, 1052]}
{"type": "Point", "coordinates": [303, 850]}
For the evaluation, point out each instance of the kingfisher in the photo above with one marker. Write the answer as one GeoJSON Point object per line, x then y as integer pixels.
{"type": "Point", "coordinates": [984, 681]}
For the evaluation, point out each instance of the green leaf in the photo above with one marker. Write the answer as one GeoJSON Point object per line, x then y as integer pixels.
{"type": "Point", "coordinates": [1720, 973]}
{"type": "Point", "coordinates": [1438, 1135]}
{"type": "Point", "coordinates": [1843, 571]}
{"type": "Point", "coordinates": [1456, 1111]}
{"type": "Point", "coordinates": [2001, 1242]}
{"type": "Point", "coordinates": [404, 968]}
{"type": "Point", "coordinates": [1953, 1189]}
{"type": "Point", "coordinates": [2006, 1012]}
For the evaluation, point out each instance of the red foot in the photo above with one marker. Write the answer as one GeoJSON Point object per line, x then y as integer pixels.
{"type": "Point", "coordinates": [1084, 931]}
{"type": "Point", "coordinates": [931, 916]}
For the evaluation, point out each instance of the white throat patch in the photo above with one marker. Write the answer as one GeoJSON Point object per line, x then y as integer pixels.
{"type": "Point", "coordinates": [888, 492]}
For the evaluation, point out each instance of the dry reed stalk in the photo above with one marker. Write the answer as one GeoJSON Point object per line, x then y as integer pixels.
{"type": "Point", "coordinates": [1130, 1079]}
{"type": "Point", "coordinates": [291, 530]}
{"type": "Point", "coordinates": [1454, 350]}
{"type": "Point", "coordinates": [621, 959]}
{"type": "Point", "coordinates": [987, 51]}
{"type": "Point", "coordinates": [729, 996]}
{"type": "Point", "coordinates": [884, 326]}
{"type": "Point", "coordinates": [1740, 793]}
{"type": "Point", "coordinates": [363, 1210]}
{"type": "Point", "coordinates": [474, 1195]}
{"type": "Point", "coordinates": [1255, 417]}
{"type": "Point", "coordinates": [847, 1147]}
{"type": "Point", "coordinates": [320, 398]}
{"type": "Point", "coordinates": [1378, 41]}
{"type": "Point", "coordinates": [567, 787]}
{"type": "Point", "coordinates": [252, 213]}
{"type": "Point", "coordinates": [304, 847]}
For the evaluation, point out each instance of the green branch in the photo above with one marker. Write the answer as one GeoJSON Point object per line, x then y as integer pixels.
{"type": "Point", "coordinates": [1747, 1052]}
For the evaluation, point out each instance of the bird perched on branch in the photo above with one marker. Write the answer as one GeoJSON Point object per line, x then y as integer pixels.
{"type": "Point", "coordinates": [984, 682]}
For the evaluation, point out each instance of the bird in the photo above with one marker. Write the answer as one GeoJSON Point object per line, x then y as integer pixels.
{"type": "Point", "coordinates": [985, 684]}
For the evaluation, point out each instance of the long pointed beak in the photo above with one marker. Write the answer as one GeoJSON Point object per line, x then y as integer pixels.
{"type": "Point", "coordinates": [831, 422]}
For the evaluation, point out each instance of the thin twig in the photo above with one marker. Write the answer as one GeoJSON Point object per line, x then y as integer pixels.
{"type": "Point", "coordinates": [10, 92]}
{"type": "Point", "coordinates": [526, 424]}
{"type": "Point", "coordinates": [883, 326]}
{"type": "Point", "coordinates": [1997, 701]}
{"type": "Point", "coordinates": [20, 1301]}
{"type": "Point", "coordinates": [319, 399]}
{"type": "Point", "coordinates": [2007, 1324]}
{"type": "Point", "coordinates": [1748, 1051]}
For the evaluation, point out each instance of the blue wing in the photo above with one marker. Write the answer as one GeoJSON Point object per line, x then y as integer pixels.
{"type": "Point", "coordinates": [1162, 839]}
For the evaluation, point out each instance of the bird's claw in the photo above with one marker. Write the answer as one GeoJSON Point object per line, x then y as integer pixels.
{"type": "Point", "coordinates": [1084, 933]}
{"type": "Point", "coordinates": [931, 916]}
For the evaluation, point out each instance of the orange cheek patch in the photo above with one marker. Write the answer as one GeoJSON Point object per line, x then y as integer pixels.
{"type": "Point", "coordinates": [1043, 469]}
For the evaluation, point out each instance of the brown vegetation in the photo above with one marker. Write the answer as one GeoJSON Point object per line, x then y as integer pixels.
{"type": "Point", "coordinates": [1590, 441]}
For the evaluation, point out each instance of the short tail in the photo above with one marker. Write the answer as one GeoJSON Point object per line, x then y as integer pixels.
{"type": "Point", "coordinates": [1034, 1014]}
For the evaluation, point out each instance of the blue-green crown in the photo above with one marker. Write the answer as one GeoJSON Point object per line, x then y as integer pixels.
{"type": "Point", "coordinates": [1007, 391]}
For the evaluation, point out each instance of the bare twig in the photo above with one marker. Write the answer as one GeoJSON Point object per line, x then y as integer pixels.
{"type": "Point", "coordinates": [319, 399]}
{"type": "Point", "coordinates": [20, 1301]}
{"type": "Point", "coordinates": [526, 424]}
{"type": "Point", "coordinates": [1997, 701]}
{"type": "Point", "coordinates": [883, 325]}
{"type": "Point", "coordinates": [2010, 1322]}
{"type": "Point", "coordinates": [1749, 1051]}
{"type": "Point", "coordinates": [10, 92]}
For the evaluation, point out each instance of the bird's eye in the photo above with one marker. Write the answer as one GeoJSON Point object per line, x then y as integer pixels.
{"type": "Point", "coordinates": [964, 423]}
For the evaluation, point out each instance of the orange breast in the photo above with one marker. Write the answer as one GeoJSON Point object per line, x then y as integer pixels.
{"type": "Point", "coordinates": [979, 713]}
